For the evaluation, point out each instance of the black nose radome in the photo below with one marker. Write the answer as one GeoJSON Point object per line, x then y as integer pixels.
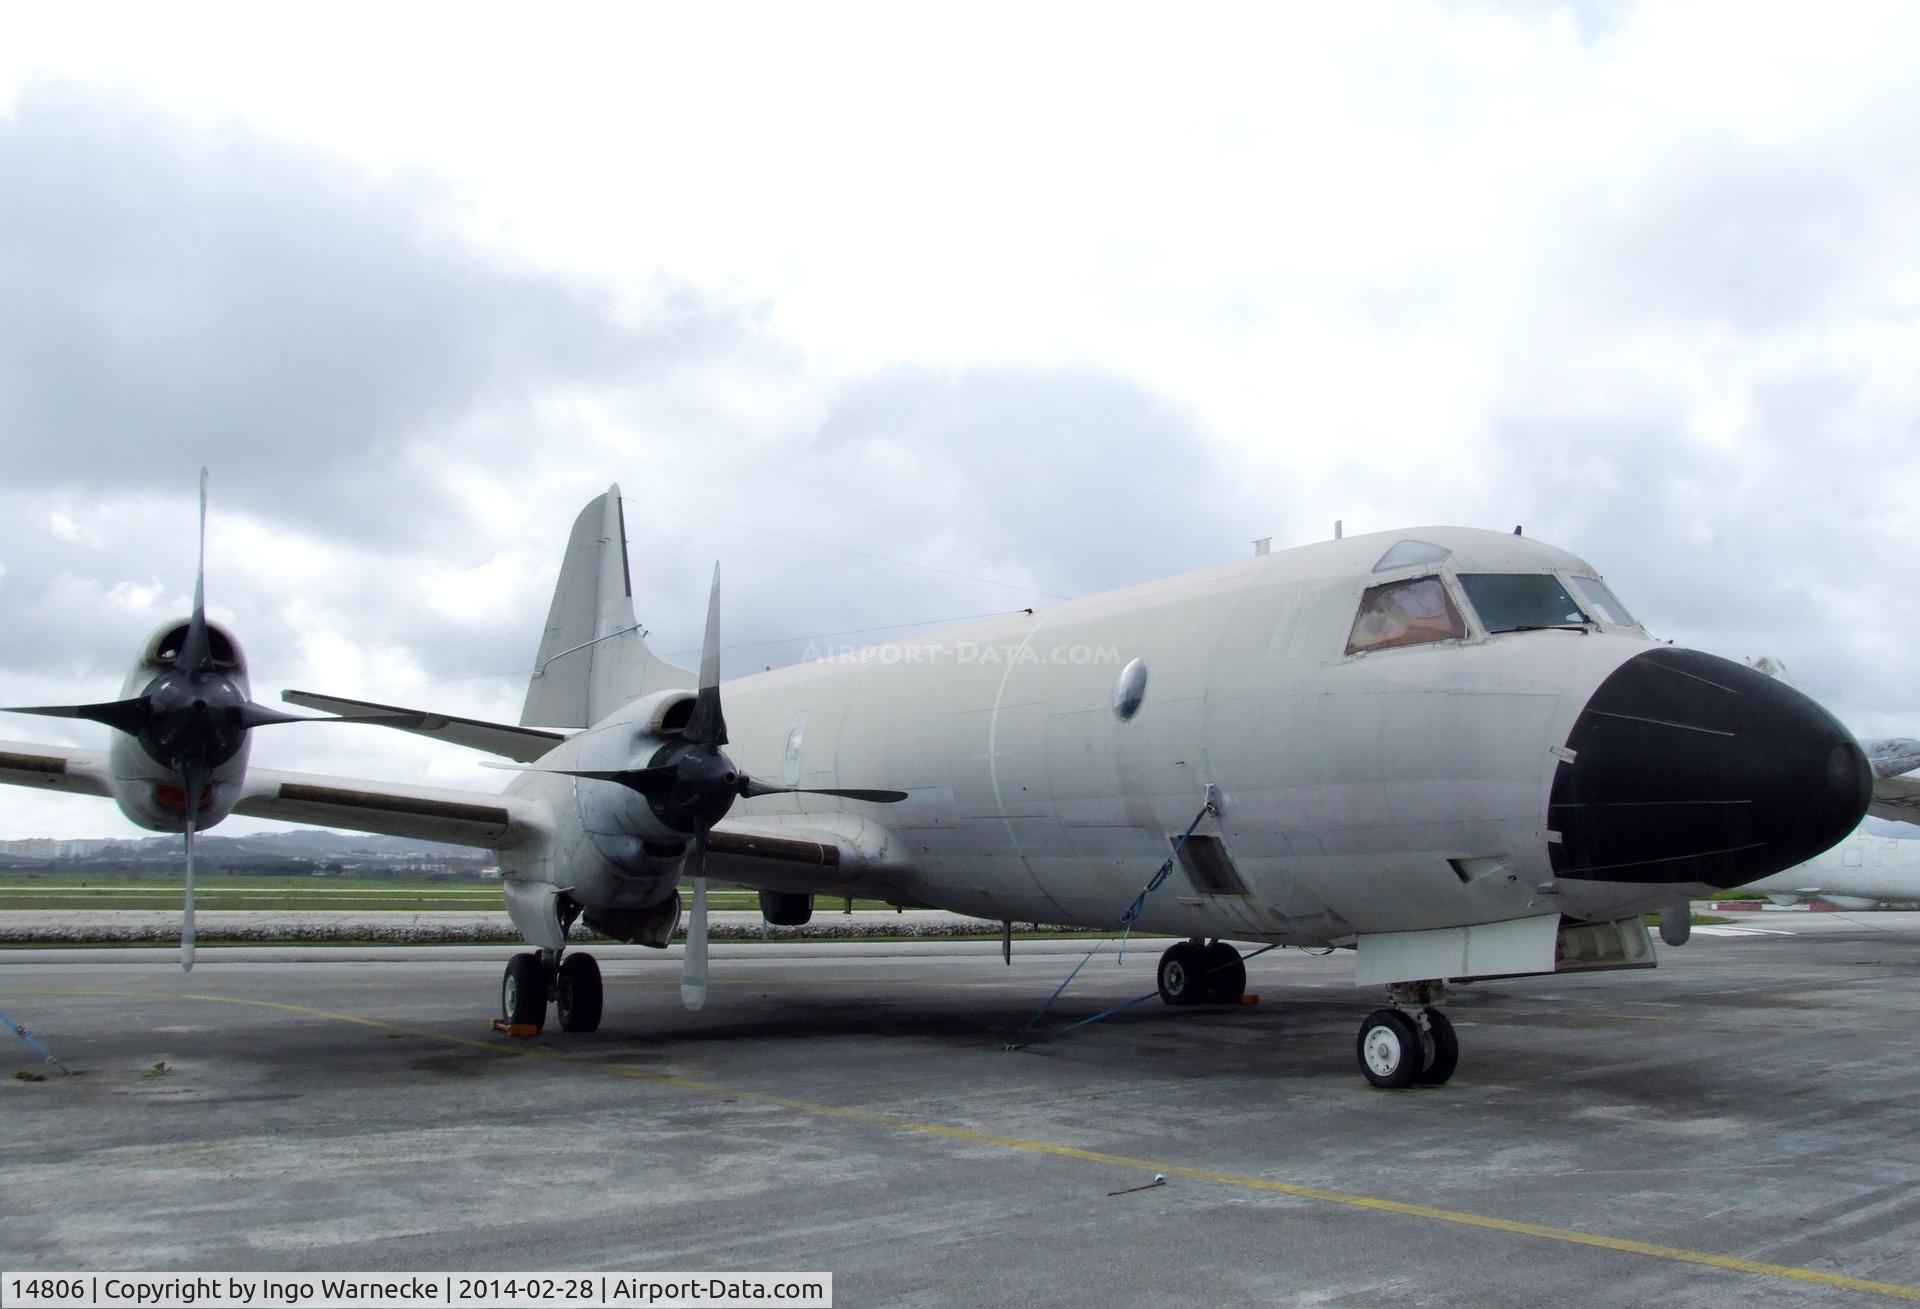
{"type": "Point", "coordinates": [1692, 768]}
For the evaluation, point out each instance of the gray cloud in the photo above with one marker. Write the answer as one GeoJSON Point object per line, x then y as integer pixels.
{"type": "Point", "coordinates": [171, 297]}
{"type": "Point", "coordinates": [328, 344]}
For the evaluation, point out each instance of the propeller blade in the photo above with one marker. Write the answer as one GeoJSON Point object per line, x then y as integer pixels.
{"type": "Point", "coordinates": [693, 967]}
{"type": "Point", "coordinates": [647, 781]}
{"type": "Point", "coordinates": [129, 716]}
{"type": "Point", "coordinates": [708, 726]}
{"type": "Point", "coordinates": [195, 777]}
{"type": "Point", "coordinates": [749, 788]}
{"type": "Point", "coordinates": [196, 653]}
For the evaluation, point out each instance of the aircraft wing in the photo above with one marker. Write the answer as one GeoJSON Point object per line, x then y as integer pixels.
{"type": "Point", "coordinates": [1897, 798]}
{"type": "Point", "coordinates": [818, 853]}
{"type": "Point", "coordinates": [521, 744]}
{"type": "Point", "coordinates": [477, 818]}
{"type": "Point", "coordinates": [54, 768]}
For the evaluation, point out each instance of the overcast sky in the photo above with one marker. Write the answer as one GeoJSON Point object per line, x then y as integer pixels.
{"type": "Point", "coordinates": [1028, 300]}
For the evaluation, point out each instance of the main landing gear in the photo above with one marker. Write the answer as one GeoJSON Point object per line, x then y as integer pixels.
{"type": "Point", "coordinates": [1202, 972]}
{"type": "Point", "coordinates": [573, 986]}
{"type": "Point", "coordinates": [1412, 1043]}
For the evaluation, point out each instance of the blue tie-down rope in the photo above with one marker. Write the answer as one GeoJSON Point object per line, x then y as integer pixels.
{"type": "Point", "coordinates": [1142, 999]}
{"type": "Point", "coordinates": [33, 1042]}
{"type": "Point", "coordinates": [1127, 921]}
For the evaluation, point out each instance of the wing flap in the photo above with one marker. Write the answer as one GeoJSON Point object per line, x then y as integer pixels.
{"type": "Point", "coordinates": [522, 744]}
{"type": "Point", "coordinates": [820, 853]}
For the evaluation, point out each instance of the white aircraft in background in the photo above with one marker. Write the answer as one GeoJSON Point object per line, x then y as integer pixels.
{"type": "Point", "coordinates": [1864, 869]}
{"type": "Point", "coordinates": [1858, 873]}
{"type": "Point", "coordinates": [1448, 749]}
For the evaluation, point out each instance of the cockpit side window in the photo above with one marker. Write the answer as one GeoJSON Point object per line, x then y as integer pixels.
{"type": "Point", "coordinates": [1602, 601]}
{"type": "Point", "coordinates": [1521, 602]}
{"type": "Point", "coordinates": [1412, 612]}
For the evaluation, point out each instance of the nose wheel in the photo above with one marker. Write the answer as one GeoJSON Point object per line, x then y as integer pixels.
{"type": "Point", "coordinates": [1410, 1044]}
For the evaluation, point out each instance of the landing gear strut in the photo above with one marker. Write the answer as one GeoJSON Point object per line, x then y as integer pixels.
{"type": "Point", "coordinates": [1202, 972]}
{"type": "Point", "coordinates": [538, 976]}
{"type": "Point", "coordinates": [574, 988]}
{"type": "Point", "coordinates": [1412, 1043]}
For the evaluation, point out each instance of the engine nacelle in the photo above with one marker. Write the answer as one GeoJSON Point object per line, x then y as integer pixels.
{"type": "Point", "coordinates": [786, 908]}
{"type": "Point", "coordinates": [650, 926]}
{"type": "Point", "coordinates": [620, 822]}
{"type": "Point", "coordinates": [148, 789]}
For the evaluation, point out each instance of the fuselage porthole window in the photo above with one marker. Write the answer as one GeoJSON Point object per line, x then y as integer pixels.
{"type": "Point", "coordinates": [1130, 689]}
{"type": "Point", "coordinates": [790, 761]}
{"type": "Point", "coordinates": [1412, 612]}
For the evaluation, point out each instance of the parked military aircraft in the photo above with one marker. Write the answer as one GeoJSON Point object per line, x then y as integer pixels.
{"type": "Point", "coordinates": [1451, 750]}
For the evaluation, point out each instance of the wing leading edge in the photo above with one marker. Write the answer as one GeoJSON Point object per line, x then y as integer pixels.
{"type": "Point", "coordinates": [476, 818]}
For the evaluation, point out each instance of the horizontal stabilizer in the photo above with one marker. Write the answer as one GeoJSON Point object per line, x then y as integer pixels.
{"type": "Point", "coordinates": [510, 741]}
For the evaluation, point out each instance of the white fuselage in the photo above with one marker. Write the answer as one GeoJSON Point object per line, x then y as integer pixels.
{"type": "Point", "coordinates": [1391, 790]}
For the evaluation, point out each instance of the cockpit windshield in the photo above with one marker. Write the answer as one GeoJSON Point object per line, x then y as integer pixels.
{"type": "Point", "coordinates": [1600, 600]}
{"type": "Point", "coordinates": [1405, 613]}
{"type": "Point", "coordinates": [1521, 602]}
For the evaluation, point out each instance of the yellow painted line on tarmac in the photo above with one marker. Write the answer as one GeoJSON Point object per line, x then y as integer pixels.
{"type": "Point", "coordinates": [1345, 1199]}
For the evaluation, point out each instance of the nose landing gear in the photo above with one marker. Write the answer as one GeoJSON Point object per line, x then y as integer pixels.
{"type": "Point", "coordinates": [1412, 1043]}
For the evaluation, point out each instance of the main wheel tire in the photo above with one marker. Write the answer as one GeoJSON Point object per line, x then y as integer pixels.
{"type": "Point", "coordinates": [578, 993]}
{"type": "Point", "coordinates": [1183, 974]}
{"type": "Point", "coordinates": [1445, 1055]}
{"type": "Point", "coordinates": [1226, 979]}
{"type": "Point", "coordinates": [523, 992]}
{"type": "Point", "coordinates": [1390, 1049]}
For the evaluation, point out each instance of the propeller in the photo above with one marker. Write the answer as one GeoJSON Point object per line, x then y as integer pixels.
{"type": "Point", "coordinates": [690, 784]}
{"type": "Point", "coordinates": [693, 965]}
{"type": "Point", "coordinates": [191, 718]}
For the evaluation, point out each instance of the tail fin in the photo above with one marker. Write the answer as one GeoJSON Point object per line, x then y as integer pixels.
{"type": "Point", "coordinates": [592, 657]}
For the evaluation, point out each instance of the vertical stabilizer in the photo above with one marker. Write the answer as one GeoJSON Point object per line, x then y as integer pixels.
{"type": "Point", "coordinates": [592, 657]}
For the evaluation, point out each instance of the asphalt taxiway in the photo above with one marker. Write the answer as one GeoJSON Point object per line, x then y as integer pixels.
{"type": "Point", "coordinates": [1737, 1124]}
